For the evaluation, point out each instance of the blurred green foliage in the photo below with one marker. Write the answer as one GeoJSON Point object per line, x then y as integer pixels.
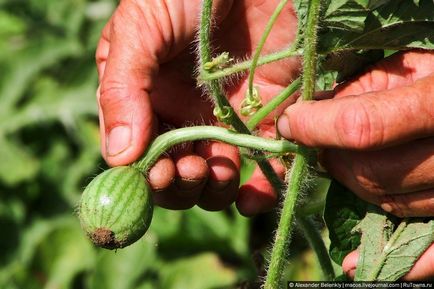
{"type": "Point", "coordinates": [49, 146]}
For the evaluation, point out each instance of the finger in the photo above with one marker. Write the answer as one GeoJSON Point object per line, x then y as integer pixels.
{"type": "Point", "coordinates": [423, 269]}
{"type": "Point", "coordinates": [257, 195]}
{"type": "Point", "coordinates": [397, 170]}
{"type": "Point", "coordinates": [191, 175]}
{"type": "Point", "coordinates": [398, 70]}
{"type": "Point", "coordinates": [224, 164]}
{"type": "Point", "coordinates": [162, 174]}
{"type": "Point", "coordinates": [417, 204]}
{"type": "Point", "coordinates": [373, 120]}
{"type": "Point", "coordinates": [184, 190]}
{"type": "Point", "coordinates": [125, 87]}
{"type": "Point", "coordinates": [349, 264]}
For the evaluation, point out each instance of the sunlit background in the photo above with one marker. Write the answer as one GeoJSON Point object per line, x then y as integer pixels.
{"type": "Point", "coordinates": [49, 150]}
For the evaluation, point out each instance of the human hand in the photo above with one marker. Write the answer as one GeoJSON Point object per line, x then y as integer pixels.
{"type": "Point", "coordinates": [378, 139]}
{"type": "Point", "coordinates": [146, 83]}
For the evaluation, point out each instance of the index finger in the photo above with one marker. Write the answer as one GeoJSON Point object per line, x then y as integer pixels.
{"type": "Point", "coordinates": [368, 121]}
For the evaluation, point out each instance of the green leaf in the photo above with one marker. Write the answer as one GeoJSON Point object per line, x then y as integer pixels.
{"type": "Point", "coordinates": [197, 230]}
{"type": "Point", "coordinates": [343, 212]}
{"type": "Point", "coordinates": [17, 163]}
{"type": "Point", "coordinates": [203, 271]}
{"type": "Point", "coordinates": [376, 229]}
{"type": "Point", "coordinates": [386, 252]}
{"type": "Point", "coordinates": [346, 15]}
{"type": "Point", "coordinates": [10, 25]}
{"type": "Point", "coordinates": [20, 67]}
{"type": "Point", "coordinates": [350, 63]}
{"type": "Point", "coordinates": [66, 15]}
{"type": "Point", "coordinates": [404, 252]}
{"type": "Point", "coordinates": [54, 102]}
{"type": "Point", "coordinates": [391, 256]}
{"type": "Point", "coordinates": [393, 25]}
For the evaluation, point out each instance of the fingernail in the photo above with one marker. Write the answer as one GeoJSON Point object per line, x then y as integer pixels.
{"type": "Point", "coordinates": [387, 207]}
{"type": "Point", "coordinates": [283, 126]}
{"type": "Point", "coordinates": [118, 140]}
{"type": "Point", "coordinates": [186, 188]}
{"type": "Point", "coordinates": [188, 184]}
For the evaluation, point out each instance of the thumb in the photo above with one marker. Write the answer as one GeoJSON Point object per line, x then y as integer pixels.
{"type": "Point", "coordinates": [126, 68]}
{"type": "Point", "coordinates": [139, 36]}
{"type": "Point", "coordinates": [366, 121]}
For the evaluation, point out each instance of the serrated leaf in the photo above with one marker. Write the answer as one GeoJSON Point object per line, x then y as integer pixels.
{"type": "Point", "coordinates": [386, 251]}
{"type": "Point", "coordinates": [376, 229]}
{"type": "Point", "coordinates": [405, 251]}
{"type": "Point", "coordinates": [390, 260]}
{"type": "Point", "coordinates": [346, 15]}
{"type": "Point", "coordinates": [349, 14]}
{"type": "Point", "coordinates": [343, 212]}
{"type": "Point", "coordinates": [393, 25]}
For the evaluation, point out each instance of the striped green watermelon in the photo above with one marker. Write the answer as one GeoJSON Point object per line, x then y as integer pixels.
{"type": "Point", "coordinates": [116, 208]}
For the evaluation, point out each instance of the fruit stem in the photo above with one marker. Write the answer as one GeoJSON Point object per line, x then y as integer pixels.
{"type": "Point", "coordinates": [165, 141]}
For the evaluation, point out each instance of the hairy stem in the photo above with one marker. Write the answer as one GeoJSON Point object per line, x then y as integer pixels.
{"type": "Point", "coordinates": [299, 171]}
{"type": "Point", "coordinates": [261, 43]}
{"type": "Point", "coordinates": [279, 252]}
{"type": "Point", "coordinates": [314, 238]}
{"type": "Point", "coordinates": [214, 86]}
{"type": "Point", "coordinates": [221, 101]}
{"type": "Point", "coordinates": [165, 141]}
{"type": "Point", "coordinates": [273, 104]}
{"type": "Point", "coordinates": [245, 65]}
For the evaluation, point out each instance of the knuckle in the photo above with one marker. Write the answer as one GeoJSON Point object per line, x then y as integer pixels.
{"type": "Point", "coordinates": [359, 125]}
{"type": "Point", "coordinates": [112, 96]}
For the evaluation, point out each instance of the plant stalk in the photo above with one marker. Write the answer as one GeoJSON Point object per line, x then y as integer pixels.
{"type": "Point", "coordinates": [205, 56]}
{"type": "Point", "coordinates": [314, 238]}
{"type": "Point", "coordinates": [299, 171]}
{"type": "Point", "coordinates": [221, 101]}
{"type": "Point", "coordinates": [279, 253]}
